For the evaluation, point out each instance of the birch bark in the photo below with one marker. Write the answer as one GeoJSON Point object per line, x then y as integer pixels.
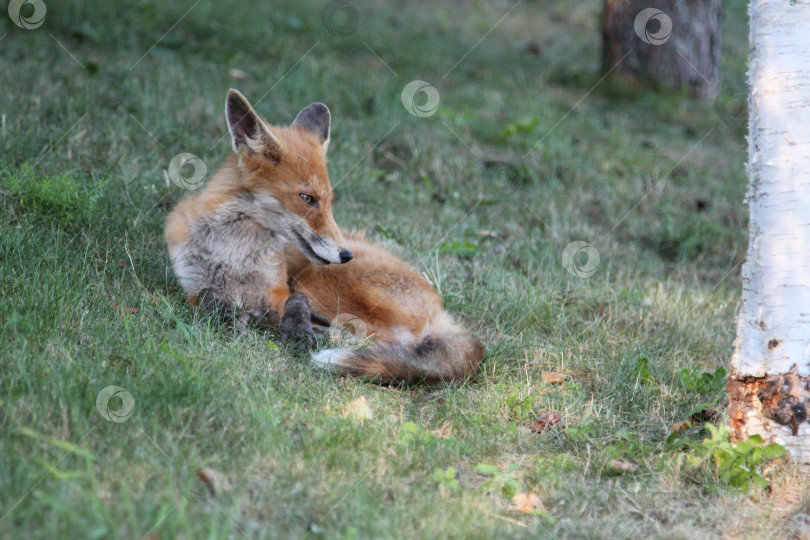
{"type": "Point", "coordinates": [770, 368]}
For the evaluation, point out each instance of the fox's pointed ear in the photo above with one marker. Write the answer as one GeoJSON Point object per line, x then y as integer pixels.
{"type": "Point", "coordinates": [316, 119]}
{"type": "Point", "coordinates": [249, 132]}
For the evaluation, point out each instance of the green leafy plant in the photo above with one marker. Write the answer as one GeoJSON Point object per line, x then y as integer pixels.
{"type": "Point", "coordinates": [627, 446]}
{"type": "Point", "coordinates": [524, 125]}
{"type": "Point", "coordinates": [460, 248]}
{"type": "Point", "coordinates": [446, 479]}
{"type": "Point", "coordinates": [703, 383]}
{"type": "Point", "coordinates": [506, 483]}
{"type": "Point", "coordinates": [519, 407]}
{"type": "Point", "coordinates": [735, 465]}
{"type": "Point", "coordinates": [582, 432]}
{"type": "Point", "coordinates": [641, 372]}
{"type": "Point", "coordinates": [414, 433]}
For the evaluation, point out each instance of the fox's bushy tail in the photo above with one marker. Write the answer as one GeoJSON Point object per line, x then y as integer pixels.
{"type": "Point", "coordinates": [438, 359]}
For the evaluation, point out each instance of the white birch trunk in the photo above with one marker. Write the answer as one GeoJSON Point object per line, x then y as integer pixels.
{"type": "Point", "coordinates": [771, 363]}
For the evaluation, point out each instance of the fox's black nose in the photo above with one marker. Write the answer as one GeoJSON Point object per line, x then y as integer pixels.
{"type": "Point", "coordinates": [345, 256]}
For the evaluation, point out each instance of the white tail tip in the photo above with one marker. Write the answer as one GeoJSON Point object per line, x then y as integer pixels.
{"type": "Point", "coordinates": [328, 358]}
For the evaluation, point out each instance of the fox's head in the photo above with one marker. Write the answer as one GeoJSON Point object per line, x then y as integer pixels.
{"type": "Point", "coordinates": [284, 176]}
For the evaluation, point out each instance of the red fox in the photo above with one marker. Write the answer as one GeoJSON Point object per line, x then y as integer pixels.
{"type": "Point", "coordinates": [227, 243]}
{"type": "Point", "coordinates": [259, 243]}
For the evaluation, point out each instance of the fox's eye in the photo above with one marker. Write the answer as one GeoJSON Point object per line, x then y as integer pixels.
{"type": "Point", "coordinates": [309, 199]}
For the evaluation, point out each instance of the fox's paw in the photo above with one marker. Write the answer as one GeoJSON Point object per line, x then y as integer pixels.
{"type": "Point", "coordinates": [212, 303]}
{"type": "Point", "coordinates": [296, 325]}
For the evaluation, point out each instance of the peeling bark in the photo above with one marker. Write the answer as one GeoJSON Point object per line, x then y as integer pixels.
{"type": "Point", "coordinates": [774, 406]}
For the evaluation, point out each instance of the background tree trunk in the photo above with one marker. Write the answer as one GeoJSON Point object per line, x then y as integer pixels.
{"type": "Point", "coordinates": [768, 387]}
{"type": "Point", "coordinates": [674, 44]}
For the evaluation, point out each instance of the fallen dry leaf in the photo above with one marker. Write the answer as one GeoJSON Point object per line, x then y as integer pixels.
{"type": "Point", "coordinates": [129, 309]}
{"type": "Point", "coordinates": [700, 417]}
{"type": "Point", "coordinates": [215, 482]}
{"type": "Point", "coordinates": [679, 427]}
{"type": "Point", "coordinates": [103, 256]}
{"type": "Point", "coordinates": [553, 377]}
{"type": "Point", "coordinates": [625, 466]}
{"type": "Point", "coordinates": [358, 410]}
{"type": "Point", "coordinates": [444, 432]}
{"type": "Point", "coordinates": [545, 421]}
{"type": "Point", "coordinates": [528, 503]}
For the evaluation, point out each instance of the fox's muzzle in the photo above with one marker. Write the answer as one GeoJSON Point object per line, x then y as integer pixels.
{"type": "Point", "coordinates": [322, 250]}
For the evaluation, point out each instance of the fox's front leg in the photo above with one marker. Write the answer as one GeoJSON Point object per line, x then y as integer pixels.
{"type": "Point", "coordinates": [211, 302]}
{"type": "Point", "coordinates": [296, 327]}
{"type": "Point", "coordinates": [296, 323]}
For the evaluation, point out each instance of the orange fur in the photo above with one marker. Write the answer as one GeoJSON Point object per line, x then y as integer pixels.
{"type": "Point", "coordinates": [386, 293]}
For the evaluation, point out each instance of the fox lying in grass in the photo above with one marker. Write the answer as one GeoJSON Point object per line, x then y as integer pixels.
{"type": "Point", "coordinates": [259, 243]}
{"type": "Point", "coordinates": [227, 243]}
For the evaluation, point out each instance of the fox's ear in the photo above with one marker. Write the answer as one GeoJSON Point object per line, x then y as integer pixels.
{"type": "Point", "coordinates": [249, 132]}
{"type": "Point", "coordinates": [316, 119]}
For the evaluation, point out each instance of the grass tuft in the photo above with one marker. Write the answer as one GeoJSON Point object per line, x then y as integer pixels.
{"type": "Point", "coordinates": [63, 198]}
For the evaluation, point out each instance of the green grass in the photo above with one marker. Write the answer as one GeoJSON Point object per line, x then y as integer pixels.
{"type": "Point", "coordinates": [654, 182]}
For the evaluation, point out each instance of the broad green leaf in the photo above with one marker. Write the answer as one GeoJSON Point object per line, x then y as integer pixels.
{"type": "Point", "coordinates": [758, 480]}
{"type": "Point", "coordinates": [744, 447]}
{"type": "Point", "coordinates": [740, 480]}
{"type": "Point", "coordinates": [773, 451]}
{"type": "Point", "coordinates": [723, 459]}
{"type": "Point", "coordinates": [511, 487]}
{"type": "Point", "coordinates": [486, 469]}
{"type": "Point", "coordinates": [755, 439]}
{"type": "Point", "coordinates": [460, 248]}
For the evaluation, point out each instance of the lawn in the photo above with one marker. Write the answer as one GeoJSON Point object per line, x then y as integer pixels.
{"type": "Point", "coordinates": [530, 149]}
